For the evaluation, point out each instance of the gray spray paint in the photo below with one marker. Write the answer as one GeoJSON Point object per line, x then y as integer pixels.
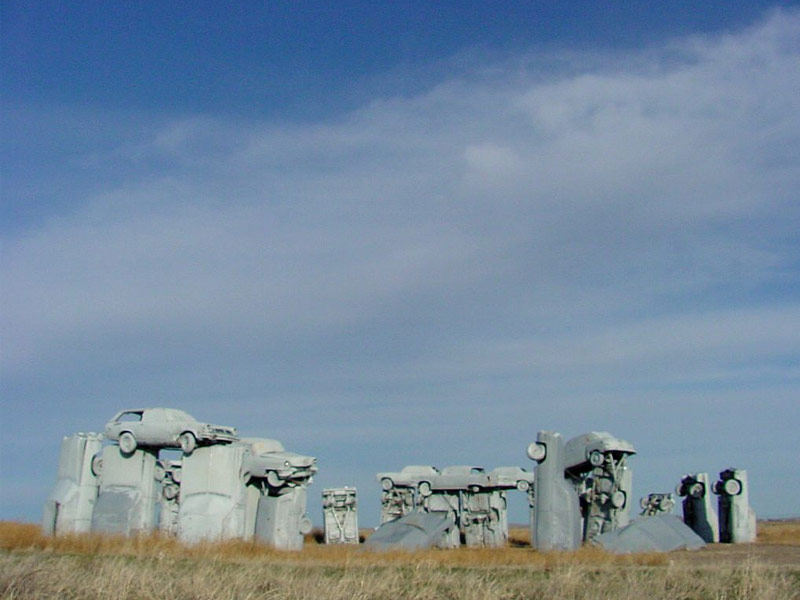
{"type": "Point", "coordinates": [660, 533]}
{"type": "Point", "coordinates": [698, 509]}
{"type": "Point", "coordinates": [69, 506]}
{"type": "Point", "coordinates": [737, 520]}
{"type": "Point", "coordinates": [128, 495]}
{"type": "Point", "coordinates": [596, 464]}
{"type": "Point", "coordinates": [557, 519]}
{"type": "Point", "coordinates": [413, 531]}
{"type": "Point", "coordinates": [340, 515]}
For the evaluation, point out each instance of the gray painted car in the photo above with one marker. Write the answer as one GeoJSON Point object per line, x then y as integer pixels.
{"type": "Point", "coordinates": [268, 459]}
{"type": "Point", "coordinates": [511, 477]}
{"type": "Point", "coordinates": [412, 476]}
{"type": "Point", "coordinates": [462, 477]}
{"type": "Point", "coordinates": [165, 428]}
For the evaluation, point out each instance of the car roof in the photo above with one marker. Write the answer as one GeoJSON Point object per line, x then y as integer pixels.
{"type": "Point", "coordinates": [509, 469]}
{"type": "Point", "coordinates": [157, 414]}
{"type": "Point", "coordinates": [420, 469]}
{"type": "Point", "coordinates": [263, 445]}
{"type": "Point", "coordinates": [460, 469]}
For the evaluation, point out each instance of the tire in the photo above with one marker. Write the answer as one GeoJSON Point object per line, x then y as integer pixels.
{"type": "Point", "coordinates": [537, 451]}
{"type": "Point", "coordinates": [159, 472]}
{"type": "Point", "coordinates": [170, 492]}
{"type": "Point", "coordinates": [523, 486]}
{"type": "Point", "coordinates": [305, 526]}
{"type": "Point", "coordinates": [274, 479]}
{"type": "Point", "coordinates": [732, 487]}
{"type": "Point", "coordinates": [618, 499]}
{"type": "Point", "coordinates": [188, 442]}
{"type": "Point", "coordinates": [176, 474]}
{"type": "Point", "coordinates": [596, 458]}
{"type": "Point", "coordinates": [127, 443]}
{"type": "Point", "coordinates": [697, 490]}
{"type": "Point", "coordinates": [386, 484]}
{"type": "Point", "coordinates": [425, 488]}
{"type": "Point", "coordinates": [97, 464]}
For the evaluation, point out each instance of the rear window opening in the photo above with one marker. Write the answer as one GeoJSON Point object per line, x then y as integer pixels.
{"type": "Point", "coordinates": [129, 416]}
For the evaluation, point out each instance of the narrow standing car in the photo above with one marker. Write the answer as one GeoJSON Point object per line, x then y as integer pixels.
{"type": "Point", "coordinates": [165, 428]}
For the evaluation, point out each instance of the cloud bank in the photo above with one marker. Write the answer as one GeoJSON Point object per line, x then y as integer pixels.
{"type": "Point", "coordinates": [542, 241]}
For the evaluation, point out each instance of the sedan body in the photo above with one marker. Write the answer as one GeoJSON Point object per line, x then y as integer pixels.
{"type": "Point", "coordinates": [163, 427]}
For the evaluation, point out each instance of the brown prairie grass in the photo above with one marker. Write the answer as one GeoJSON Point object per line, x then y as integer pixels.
{"type": "Point", "coordinates": [24, 536]}
{"type": "Point", "coordinates": [784, 532]}
{"type": "Point", "coordinates": [156, 568]}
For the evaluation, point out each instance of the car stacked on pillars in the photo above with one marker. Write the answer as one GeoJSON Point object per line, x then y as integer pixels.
{"type": "Point", "coordinates": [164, 428]}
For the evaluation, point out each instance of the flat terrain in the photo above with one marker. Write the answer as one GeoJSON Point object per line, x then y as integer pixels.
{"type": "Point", "coordinates": [33, 566]}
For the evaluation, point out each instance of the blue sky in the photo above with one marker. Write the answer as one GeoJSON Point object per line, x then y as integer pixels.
{"type": "Point", "coordinates": [405, 234]}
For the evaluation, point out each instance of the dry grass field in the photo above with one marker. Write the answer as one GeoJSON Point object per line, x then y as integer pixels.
{"type": "Point", "coordinates": [155, 568]}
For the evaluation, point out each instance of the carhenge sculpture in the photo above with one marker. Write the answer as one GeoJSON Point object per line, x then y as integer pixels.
{"type": "Point", "coordinates": [69, 506]}
{"type": "Point", "coordinates": [698, 510]}
{"type": "Point", "coordinates": [220, 487]}
{"type": "Point", "coordinates": [737, 520]}
{"type": "Point", "coordinates": [340, 515]}
{"type": "Point", "coordinates": [128, 497]}
{"type": "Point", "coordinates": [656, 504]}
{"type": "Point", "coordinates": [556, 521]}
{"type": "Point", "coordinates": [282, 479]}
{"type": "Point", "coordinates": [596, 464]}
{"type": "Point", "coordinates": [468, 501]}
{"type": "Point", "coordinates": [583, 488]}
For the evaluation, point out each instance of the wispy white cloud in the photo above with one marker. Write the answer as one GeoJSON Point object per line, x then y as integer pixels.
{"type": "Point", "coordinates": [516, 232]}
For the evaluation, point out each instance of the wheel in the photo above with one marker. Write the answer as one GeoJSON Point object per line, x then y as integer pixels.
{"type": "Point", "coordinates": [274, 479]}
{"type": "Point", "coordinates": [305, 525]}
{"type": "Point", "coordinates": [596, 458]}
{"type": "Point", "coordinates": [697, 490]}
{"type": "Point", "coordinates": [159, 472]}
{"type": "Point", "coordinates": [386, 484]}
{"type": "Point", "coordinates": [732, 487]}
{"type": "Point", "coordinates": [474, 489]}
{"type": "Point", "coordinates": [170, 492]}
{"type": "Point", "coordinates": [537, 451]}
{"type": "Point", "coordinates": [97, 465]}
{"type": "Point", "coordinates": [644, 501]}
{"type": "Point", "coordinates": [188, 442]}
{"type": "Point", "coordinates": [127, 443]}
{"type": "Point", "coordinates": [425, 488]}
{"type": "Point", "coordinates": [523, 486]}
{"type": "Point", "coordinates": [618, 499]}
{"type": "Point", "coordinates": [176, 474]}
